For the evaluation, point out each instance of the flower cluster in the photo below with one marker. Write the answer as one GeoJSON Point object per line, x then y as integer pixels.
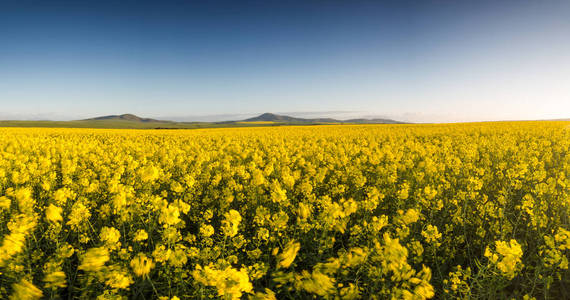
{"type": "Point", "coordinates": [506, 257]}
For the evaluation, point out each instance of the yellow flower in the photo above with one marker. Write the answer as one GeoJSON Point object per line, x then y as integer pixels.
{"type": "Point", "coordinates": [206, 230]}
{"type": "Point", "coordinates": [119, 201]}
{"type": "Point", "coordinates": [403, 193]}
{"type": "Point", "coordinates": [24, 199]}
{"type": "Point", "coordinates": [5, 202]}
{"type": "Point", "coordinates": [316, 283]}
{"type": "Point", "coordinates": [267, 295]}
{"type": "Point", "coordinates": [79, 213]}
{"type": "Point", "coordinates": [141, 265]}
{"type": "Point", "coordinates": [411, 216]}
{"type": "Point", "coordinates": [506, 257]}
{"type": "Point", "coordinates": [178, 258]}
{"type": "Point", "coordinates": [149, 173]}
{"type": "Point", "coordinates": [431, 234]}
{"type": "Point", "coordinates": [65, 251]}
{"type": "Point", "coordinates": [229, 282]}
{"type": "Point", "coordinates": [53, 213]}
{"type": "Point", "coordinates": [55, 280]}
{"type": "Point", "coordinates": [562, 237]}
{"type": "Point", "coordinates": [118, 279]}
{"type": "Point", "coordinates": [395, 256]}
{"type": "Point", "coordinates": [110, 236]}
{"type": "Point", "coordinates": [62, 195]}
{"type": "Point", "coordinates": [278, 194]}
{"type": "Point", "coordinates": [231, 222]}
{"type": "Point", "coordinates": [140, 235]}
{"type": "Point", "coordinates": [169, 215]}
{"type": "Point", "coordinates": [25, 290]}
{"type": "Point", "coordinates": [161, 253]}
{"type": "Point", "coordinates": [15, 241]}
{"type": "Point", "coordinates": [12, 244]}
{"type": "Point", "coordinates": [304, 210]}
{"type": "Point", "coordinates": [430, 192]}
{"type": "Point", "coordinates": [289, 253]}
{"type": "Point", "coordinates": [94, 259]}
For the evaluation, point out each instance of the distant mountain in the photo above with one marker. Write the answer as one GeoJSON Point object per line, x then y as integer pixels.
{"type": "Point", "coordinates": [269, 117]}
{"type": "Point", "coordinates": [126, 117]}
{"type": "Point", "coordinates": [122, 120]}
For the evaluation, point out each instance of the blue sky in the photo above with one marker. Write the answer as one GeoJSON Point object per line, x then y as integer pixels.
{"type": "Point", "coordinates": [422, 61]}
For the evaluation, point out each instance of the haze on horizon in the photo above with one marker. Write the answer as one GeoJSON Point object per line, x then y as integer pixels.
{"type": "Point", "coordinates": [418, 61]}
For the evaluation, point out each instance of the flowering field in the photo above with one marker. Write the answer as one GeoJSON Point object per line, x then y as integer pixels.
{"type": "Point", "coordinates": [345, 212]}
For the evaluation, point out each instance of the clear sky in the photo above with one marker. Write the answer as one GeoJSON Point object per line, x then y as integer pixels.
{"type": "Point", "coordinates": [186, 60]}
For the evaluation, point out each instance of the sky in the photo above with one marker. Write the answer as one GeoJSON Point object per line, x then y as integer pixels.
{"type": "Point", "coordinates": [418, 61]}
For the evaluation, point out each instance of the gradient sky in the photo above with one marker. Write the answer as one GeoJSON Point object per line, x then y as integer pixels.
{"type": "Point", "coordinates": [423, 61]}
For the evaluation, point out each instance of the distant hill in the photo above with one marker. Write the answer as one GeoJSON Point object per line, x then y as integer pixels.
{"type": "Point", "coordinates": [126, 117]}
{"type": "Point", "coordinates": [136, 122]}
{"type": "Point", "coordinates": [269, 117]}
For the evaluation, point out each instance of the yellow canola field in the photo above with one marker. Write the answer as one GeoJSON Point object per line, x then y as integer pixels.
{"type": "Point", "coordinates": [450, 211]}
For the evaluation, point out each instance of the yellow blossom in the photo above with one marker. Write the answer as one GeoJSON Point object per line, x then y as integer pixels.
{"type": "Point", "coordinates": [231, 222]}
{"type": "Point", "coordinates": [206, 230]}
{"type": "Point", "coordinates": [431, 234]}
{"type": "Point", "coordinates": [55, 280]}
{"type": "Point", "coordinates": [79, 213]}
{"type": "Point", "coordinates": [506, 257]}
{"type": "Point", "coordinates": [110, 236]}
{"type": "Point", "coordinates": [289, 253]}
{"type": "Point", "coordinates": [141, 264]}
{"type": "Point", "coordinates": [149, 173]}
{"type": "Point", "coordinates": [53, 213]}
{"type": "Point", "coordinates": [118, 279]}
{"type": "Point", "coordinates": [229, 282]}
{"type": "Point", "coordinates": [170, 215]}
{"type": "Point", "coordinates": [25, 290]}
{"type": "Point", "coordinates": [94, 259]}
{"type": "Point", "coordinates": [140, 235]}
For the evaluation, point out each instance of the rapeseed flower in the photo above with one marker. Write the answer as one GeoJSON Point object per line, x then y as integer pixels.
{"type": "Point", "coordinates": [206, 230]}
{"type": "Point", "coordinates": [149, 174]}
{"type": "Point", "coordinates": [25, 290]}
{"type": "Point", "coordinates": [94, 259]}
{"type": "Point", "coordinates": [110, 236]}
{"type": "Point", "coordinates": [231, 222]}
{"type": "Point", "coordinates": [53, 214]}
{"type": "Point", "coordinates": [140, 235]}
{"type": "Point", "coordinates": [141, 264]}
{"type": "Point", "coordinates": [288, 255]}
{"type": "Point", "coordinates": [55, 279]}
{"type": "Point", "coordinates": [229, 282]}
{"type": "Point", "coordinates": [506, 257]}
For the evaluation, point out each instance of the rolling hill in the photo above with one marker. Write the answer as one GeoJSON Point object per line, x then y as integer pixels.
{"type": "Point", "coordinates": [269, 117]}
{"type": "Point", "coordinates": [130, 121]}
{"type": "Point", "coordinates": [126, 117]}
